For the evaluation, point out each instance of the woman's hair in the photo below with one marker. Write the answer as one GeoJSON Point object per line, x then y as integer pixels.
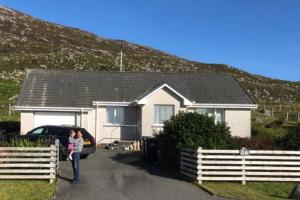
{"type": "Point", "coordinates": [78, 131]}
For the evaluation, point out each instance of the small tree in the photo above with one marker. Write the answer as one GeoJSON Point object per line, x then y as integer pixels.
{"type": "Point", "coordinates": [192, 130]}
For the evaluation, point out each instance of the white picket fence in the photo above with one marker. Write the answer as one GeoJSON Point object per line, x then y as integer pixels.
{"type": "Point", "coordinates": [235, 165]}
{"type": "Point", "coordinates": [29, 162]}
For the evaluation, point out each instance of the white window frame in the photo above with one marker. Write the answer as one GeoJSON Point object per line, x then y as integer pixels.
{"type": "Point", "coordinates": [155, 121]}
{"type": "Point", "coordinates": [115, 114]}
{"type": "Point", "coordinates": [214, 115]}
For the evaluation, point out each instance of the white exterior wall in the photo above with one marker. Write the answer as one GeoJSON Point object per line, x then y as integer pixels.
{"type": "Point", "coordinates": [239, 122]}
{"type": "Point", "coordinates": [161, 97]}
{"type": "Point", "coordinates": [107, 133]}
{"type": "Point", "coordinates": [84, 123]}
{"type": "Point", "coordinates": [88, 121]}
{"type": "Point", "coordinates": [27, 122]}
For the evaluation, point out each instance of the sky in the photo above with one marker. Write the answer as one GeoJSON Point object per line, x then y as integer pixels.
{"type": "Point", "coordinates": [258, 36]}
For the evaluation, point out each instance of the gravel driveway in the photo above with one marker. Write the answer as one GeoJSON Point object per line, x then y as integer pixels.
{"type": "Point", "coordinates": [119, 175]}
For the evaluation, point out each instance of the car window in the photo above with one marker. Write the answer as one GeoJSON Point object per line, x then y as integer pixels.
{"type": "Point", "coordinates": [50, 131]}
{"type": "Point", "coordinates": [61, 132]}
{"type": "Point", "coordinates": [37, 131]}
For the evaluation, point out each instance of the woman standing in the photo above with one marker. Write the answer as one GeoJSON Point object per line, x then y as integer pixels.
{"type": "Point", "coordinates": [76, 156]}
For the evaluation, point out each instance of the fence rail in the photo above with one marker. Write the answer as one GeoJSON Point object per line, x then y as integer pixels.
{"type": "Point", "coordinates": [232, 165]}
{"type": "Point", "coordinates": [29, 162]}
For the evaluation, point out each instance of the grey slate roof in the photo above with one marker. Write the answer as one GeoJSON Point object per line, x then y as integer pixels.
{"type": "Point", "coordinates": [51, 88]}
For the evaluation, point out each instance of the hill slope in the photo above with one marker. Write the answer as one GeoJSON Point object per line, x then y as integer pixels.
{"type": "Point", "coordinates": [27, 42]}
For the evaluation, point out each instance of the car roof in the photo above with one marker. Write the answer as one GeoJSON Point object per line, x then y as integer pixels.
{"type": "Point", "coordinates": [62, 126]}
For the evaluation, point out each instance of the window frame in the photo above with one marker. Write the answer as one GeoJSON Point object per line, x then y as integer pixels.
{"type": "Point", "coordinates": [157, 123]}
{"type": "Point", "coordinates": [115, 115]}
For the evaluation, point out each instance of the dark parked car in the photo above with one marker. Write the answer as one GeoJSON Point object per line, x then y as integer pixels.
{"type": "Point", "coordinates": [62, 133]}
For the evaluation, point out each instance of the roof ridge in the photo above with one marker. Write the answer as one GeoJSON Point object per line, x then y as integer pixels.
{"type": "Point", "coordinates": [39, 70]}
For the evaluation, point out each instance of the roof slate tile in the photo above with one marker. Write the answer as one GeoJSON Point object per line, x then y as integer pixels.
{"type": "Point", "coordinates": [52, 88]}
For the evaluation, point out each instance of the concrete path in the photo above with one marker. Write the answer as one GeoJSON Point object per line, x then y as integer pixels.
{"type": "Point", "coordinates": [118, 175]}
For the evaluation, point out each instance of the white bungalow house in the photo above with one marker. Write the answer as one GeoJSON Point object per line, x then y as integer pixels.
{"type": "Point", "coordinates": [130, 105]}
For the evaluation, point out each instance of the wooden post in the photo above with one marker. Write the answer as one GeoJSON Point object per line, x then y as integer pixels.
{"type": "Point", "coordinates": [181, 162]}
{"type": "Point", "coordinates": [298, 117]}
{"type": "Point", "coordinates": [57, 156]}
{"type": "Point", "coordinates": [287, 116]}
{"type": "Point", "coordinates": [279, 108]}
{"type": "Point", "coordinates": [199, 164]}
{"type": "Point", "coordinates": [243, 170]}
{"type": "Point", "coordinates": [52, 164]}
{"type": "Point", "coordinates": [272, 112]}
{"type": "Point", "coordinates": [9, 110]}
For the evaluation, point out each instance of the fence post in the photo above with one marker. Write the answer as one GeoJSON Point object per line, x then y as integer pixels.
{"type": "Point", "coordinates": [57, 155]}
{"type": "Point", "coordinates": [243, 170]}
{"type": "Point", "coordinates": [272, 112]}
{"type": "Point", "coordinates": [199, 165]}
{"type": "Point", "coordinates": [52, 163]}
{"type": "Point", "coordinates": [287, 116]}
{"type": "Point", "coordinates": [181, 163]}
{"type": "Point", "coordinates": [9, 110]}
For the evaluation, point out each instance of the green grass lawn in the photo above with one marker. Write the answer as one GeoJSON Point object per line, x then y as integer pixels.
{"type": "Point", "coordinates": [26, 190]}
{"type": "Point", "coordinates": [250, 191]}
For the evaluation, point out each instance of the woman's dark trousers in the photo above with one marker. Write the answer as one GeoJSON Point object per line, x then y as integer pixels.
{"type": "Point", "coordinates": [75, 165]}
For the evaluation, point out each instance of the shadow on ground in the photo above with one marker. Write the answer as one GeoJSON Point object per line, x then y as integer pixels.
{"type": "Point", "coordinates": [136, 159]}
{"type": "Point", "coordinates": [65, 178]}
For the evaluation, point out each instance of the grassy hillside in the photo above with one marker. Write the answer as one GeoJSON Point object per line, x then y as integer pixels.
{"type": "Point", "coordinates": [27, 42]}
{"type": "Point", "coordinates": [8, 91]}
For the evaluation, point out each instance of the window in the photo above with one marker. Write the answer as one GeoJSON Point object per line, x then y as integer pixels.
{"type": "Point", "coordinates": [206, 111]}
{"type": "Point", "coordinates": [50, 130]}
{"type": "Point", "coordinates": [217, 114]}
{"type": "Point", "coordinates": [163, 113]}
{"type": "Point", "coordinates": [37, 131]}
{"type": "Point", "coordinates": [115, 115]}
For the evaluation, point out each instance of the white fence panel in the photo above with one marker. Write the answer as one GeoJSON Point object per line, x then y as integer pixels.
{"type": "Point", "coordinates": [29, 162]}
{"type": "Point", "coordinates": [236, 165]}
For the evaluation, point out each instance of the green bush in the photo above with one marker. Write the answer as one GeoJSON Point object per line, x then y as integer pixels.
{"type": "Point", "coordinates": [291, 141]}
{"type": "Point", "coordinates": [23, 142]}
{"type": "Point", "coordinates": [260, 130]}
{"type": "Point", "coordinates": [255, 143]}
{"type": "Point", "coordinates": [275, 124]}
{"type": "Point", "coordinates": [191, 130]}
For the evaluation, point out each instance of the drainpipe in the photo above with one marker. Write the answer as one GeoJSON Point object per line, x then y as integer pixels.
{"type": "Point", "coordinates": [96, 123]}
{"type": "Point", "coordinates": [81, 118]}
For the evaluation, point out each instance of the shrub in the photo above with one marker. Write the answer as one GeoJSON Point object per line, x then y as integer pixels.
{"type": "Point", "coordinates": [10, 128]}
{"type": "Point", "coordinates": [259, 130]}
{"type": "Point", "coordinates": [27, 143]}
{"type": "Point", "coordinates": [191, 130]}
{"type": "Point", "coordinates": [291, 141]}
{"type": "Point", "coordinates": [255, 143]}
{"type": "Point", "coordinates": [275, 124]}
